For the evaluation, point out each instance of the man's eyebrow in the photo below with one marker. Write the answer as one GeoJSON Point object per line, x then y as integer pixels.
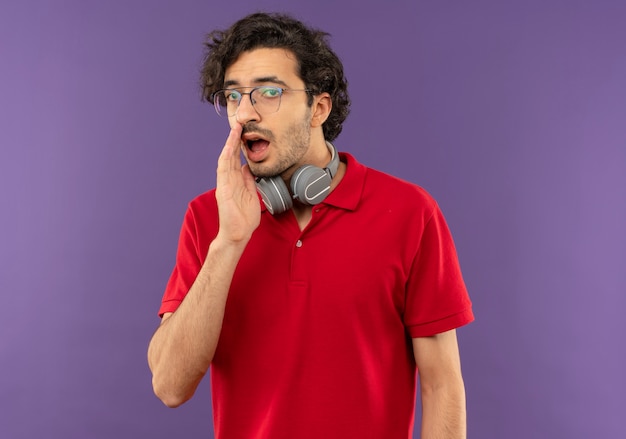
{"type": "Point", "coordinates": [257, 81]}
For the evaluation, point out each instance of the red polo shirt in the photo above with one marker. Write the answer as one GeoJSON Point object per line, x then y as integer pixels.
{"type": "Point", "coordinates": [316, 335]}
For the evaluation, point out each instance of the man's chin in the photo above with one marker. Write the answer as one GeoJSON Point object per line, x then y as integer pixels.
{"type": "Point", "coordinates": [260, 171]}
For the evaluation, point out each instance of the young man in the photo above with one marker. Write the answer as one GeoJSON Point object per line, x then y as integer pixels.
{"type": "Point", "coordinates": [314, 287]}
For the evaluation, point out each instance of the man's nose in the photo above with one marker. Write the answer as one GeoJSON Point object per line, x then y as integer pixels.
{"type": "Point", "coordinates": [245, 111]}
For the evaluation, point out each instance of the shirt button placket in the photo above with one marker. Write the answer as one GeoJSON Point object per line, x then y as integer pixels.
{"type": "Point", "coordinates": [298, 263]}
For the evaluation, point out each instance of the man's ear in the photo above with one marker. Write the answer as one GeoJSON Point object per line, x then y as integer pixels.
{"type": "Point", "coordinates": [322, 104]}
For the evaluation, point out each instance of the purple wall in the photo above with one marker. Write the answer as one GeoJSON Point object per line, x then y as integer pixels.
{"type": "Point", "coordinates": [513, 117]}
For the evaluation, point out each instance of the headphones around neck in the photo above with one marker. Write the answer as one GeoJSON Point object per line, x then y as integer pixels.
{"type": "Point", "coordinates": [310, 185]}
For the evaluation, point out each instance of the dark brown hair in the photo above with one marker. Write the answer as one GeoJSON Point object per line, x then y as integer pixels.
{"type": "Point", "coordinates": [319, 67]}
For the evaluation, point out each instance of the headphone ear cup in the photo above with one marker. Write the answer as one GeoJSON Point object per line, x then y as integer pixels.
{"type": "Point", "coordinates": [275, 194]}
{"type": "Point", "coordinates": [310, 185]}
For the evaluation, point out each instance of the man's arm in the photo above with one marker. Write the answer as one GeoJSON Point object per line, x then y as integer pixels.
{"type": "Point", "coordinates": [183, 346]}
{"type": "Point", "coordinates": [442, 388]}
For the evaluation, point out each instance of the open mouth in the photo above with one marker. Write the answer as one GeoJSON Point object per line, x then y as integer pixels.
{"type": "Point", "coordinates": [256, 145]}
{"type": "Point", "coordinates": [254, 142]}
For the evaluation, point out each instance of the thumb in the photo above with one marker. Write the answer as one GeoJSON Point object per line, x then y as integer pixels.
{"type": "Point", "coordinates": [248, 179]}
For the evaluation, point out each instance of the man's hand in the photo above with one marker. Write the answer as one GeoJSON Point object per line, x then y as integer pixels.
{"type": "Point", "coordinates": [182, 349]}
{"type": "Point", "coordinates": [237, 199]}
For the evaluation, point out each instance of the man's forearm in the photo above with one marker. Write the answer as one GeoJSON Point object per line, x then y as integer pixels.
{"type": "Point", "coordinates": [182, 348]}
{"type": "Point", "coordinates": [443, 412]}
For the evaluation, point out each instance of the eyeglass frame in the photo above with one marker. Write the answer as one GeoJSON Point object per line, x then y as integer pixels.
{"type": "Point", "coordinates": [282, 90]}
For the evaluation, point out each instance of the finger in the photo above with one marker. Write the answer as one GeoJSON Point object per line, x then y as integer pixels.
{"type": "Point", "coordinates": [229, 157]}
{"type": "Point", "coordinates": [248, 178]}
{"type": "Point", "coordinates": [234, 143]}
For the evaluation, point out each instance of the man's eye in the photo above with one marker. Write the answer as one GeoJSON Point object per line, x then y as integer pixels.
{"type": "Point", "coordinates": [232, 95]}
{"type": "Point", "coordinates": [269, 92]}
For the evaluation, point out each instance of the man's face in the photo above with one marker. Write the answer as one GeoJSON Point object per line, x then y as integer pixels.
{"type": "Point", "coordinates": [275, 143]}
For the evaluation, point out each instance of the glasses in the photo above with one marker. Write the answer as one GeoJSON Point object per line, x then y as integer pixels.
{"type": "Point", "coordinates": [265, 99]}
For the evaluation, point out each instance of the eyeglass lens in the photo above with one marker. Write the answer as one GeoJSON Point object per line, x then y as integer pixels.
{"type": "Point", "coordinates": [265, 100]}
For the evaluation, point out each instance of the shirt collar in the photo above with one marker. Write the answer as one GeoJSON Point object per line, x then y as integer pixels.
{"type": "Point", "coordinates": [348, 192]}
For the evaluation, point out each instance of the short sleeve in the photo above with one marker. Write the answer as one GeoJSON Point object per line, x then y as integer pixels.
{"type": "Point", "coordinates": [436, 296]}
{"type": "Point", "coordinates": [198, 229]}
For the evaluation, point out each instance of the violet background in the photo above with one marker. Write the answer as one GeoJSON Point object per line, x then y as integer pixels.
{"type": "Point", "coordinates": [511, 113]}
